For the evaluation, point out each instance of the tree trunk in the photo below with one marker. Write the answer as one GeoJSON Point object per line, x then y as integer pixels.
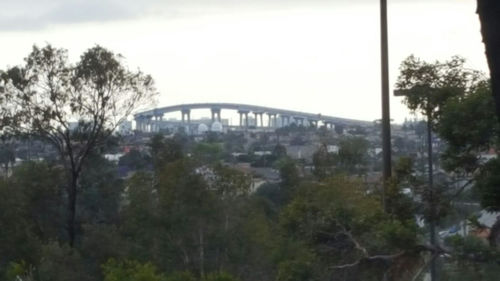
{"type": "Point", "coordinates": [202, 252]}
{"type": "Point", "coordinates": [489, 16]}
{"type": "Point", "coordinates": [72, 192]}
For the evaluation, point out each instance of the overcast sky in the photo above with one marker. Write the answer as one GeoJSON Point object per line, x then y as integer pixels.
{"type": "Point", "coordinates": [317, 56]}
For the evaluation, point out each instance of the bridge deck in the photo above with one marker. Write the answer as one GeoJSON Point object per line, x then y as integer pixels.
{"type": "Point", "coordinates": [250, 108]}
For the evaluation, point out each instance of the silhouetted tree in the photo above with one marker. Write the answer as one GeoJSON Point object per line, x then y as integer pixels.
{"type": "Point", "coordinates": [74, 107]}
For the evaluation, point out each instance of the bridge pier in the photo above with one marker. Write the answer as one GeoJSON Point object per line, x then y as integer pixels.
{"type": "Point", "coordinates": [329, 125]}
{"type": "Point", "coordinates": [155, 127]}
{"type": "Point", "coordinates": [285, 120]}
{"type": "Point", "coordinates": [186, 115]}
{"type": "Point", "coordinates": [138, 124]}
{"type": "Point", "coordinates": [313, 123]}
{"type": "Point", "coordinates": [258, 115]}
{"type": "Point", "coordinates": [271, 121]}
{"type": "Point", "coordinates": [147, 127]}
{"type": "Point", "coordinates": [299, 121]}
{"type": "Point", "coordinates": [215, 112]}
{"type": "Point", "coordinates": [243, 113]}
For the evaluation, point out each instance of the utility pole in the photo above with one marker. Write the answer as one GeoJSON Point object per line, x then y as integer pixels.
{"type": "Point", "coordinates": [386, 116]}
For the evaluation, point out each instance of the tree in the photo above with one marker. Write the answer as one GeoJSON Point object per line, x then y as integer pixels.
{"type": "Point", "coordinates": [135, 160]}
{"type": "Point", "coordinates": [323, 162]}
{"type": "Point", "coordinates": [74, 107]}
{"type": "Point", "coordinates": [489, 16]}
{"type": "Point", "coordinates": [165, 151]}
{"type": "Point", "coordinates": [101, 192]}
{"type": "Point", "coordinates": [7, 154]}
{"type": "Point", "coordinates": [426, 88]}
{"type": "Point", "coordinates": [347, 229]}
{"type": "Point", "coordinates": [61, 262]}
{"type": "Point", "coordinates": [352, 154]}
{"type": "Point", "coordinates": [129, 270]}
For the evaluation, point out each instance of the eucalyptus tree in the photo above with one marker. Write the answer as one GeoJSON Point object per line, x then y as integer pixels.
{"type": "Point", "coordinates": [427, 87]}
{"type": "Point", "coordinates": [75, 107]}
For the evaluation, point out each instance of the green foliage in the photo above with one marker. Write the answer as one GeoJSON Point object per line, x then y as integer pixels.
{"type": "Point", "coordinates": [271, 192]}
{"type": "Point", "coordinates": [234, 142]}
{"type": "Point", "coordinates": [289, 173]}
{"type": "Point", "coordinates": [220, 276]}
{"type": "Point", "coordinates": [471, 248]}
{"type": "Point", "coordinates": [101, 191]}
{"type": "Point", "coordinates": [337, 215]}
{"type": "Point", "coordinates": [165, 151]}
{"type": "Point", "coordinates": [472, 259]}
{"type": "Point", "coordinates": [426, 87]}
{"type": "Point", "coordinates": [455, 125]}
{"type": "Point", "coordinates": [403, 169]}
{"type": "Point", "coordinates": [279, 151]}
{"type": "Point", "coordinates": [353, 153]}
{"type": "Point", "coordinates": [295, 271]}
{"type": "Point", "coordinates": [31, 211]}
{"type": "Point", "coordinates": [208, 152]}
{"type": "Point", "coordinates": [466, 139]}
{"type": "Point", "coordinates": [19, 271]}
{"type": "Point", "coordinates": [488, 184]}
{"type": "Point", "coordinates": [60, 262]}
{"type": "Point", "coordinates": [135, 160]}
{"type": "Point", "coordinates": [230, 183]}
{"type": "Point", "coordinates": [130, 270]}
{"type": "Point", "coordinates": [181, 276]}
{"type": "Point", "coordinates": [48, 94]}
{"type": "Point", "coordinates": [101, 242]}
{"type": "Point", "coordinates": [398, 234]}
{"type": "Point", "coordinates": [324, 162]}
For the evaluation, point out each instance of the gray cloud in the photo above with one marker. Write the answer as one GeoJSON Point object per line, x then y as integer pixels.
{"type": "Point", "coordinates": [29, 14]}
{"type": "Point", "coordinates": [21, 15]}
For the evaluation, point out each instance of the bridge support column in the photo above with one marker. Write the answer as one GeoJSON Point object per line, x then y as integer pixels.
{"type": "Point", "coordinates": [313, 123]}
{"type": "Point", "coordinates": [243, 113]}
{"type": "Point", "coordinates": [148, 124]}
{"type": "Point", "coordinates": [271, 121]}
{"type": "Point", "coordinates": [160, 122]}
{"type": "Point", "coordinates": [259, 115]}
{"type": "Point", "coordinates": [299, 121]}
{"type": "Point", "coordinates": [215, 113]}
{"type": "Point", "coordinates": [186, 115]}
{"type": "Point", "coordinates": [156, 123]}
{"type": "Point", "coordinates": [285, 120]}
{"type": "Point", "coordinates": [137, 123]}
{"type": "Point", "coordinates": [329, 125]}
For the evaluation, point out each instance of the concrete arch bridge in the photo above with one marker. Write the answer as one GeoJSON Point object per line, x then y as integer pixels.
{"type": "Point", "coordinates": [152, 120]}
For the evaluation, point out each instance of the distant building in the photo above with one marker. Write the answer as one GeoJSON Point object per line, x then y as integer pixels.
{"type": "Point", "coordinates": [332, 148]}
